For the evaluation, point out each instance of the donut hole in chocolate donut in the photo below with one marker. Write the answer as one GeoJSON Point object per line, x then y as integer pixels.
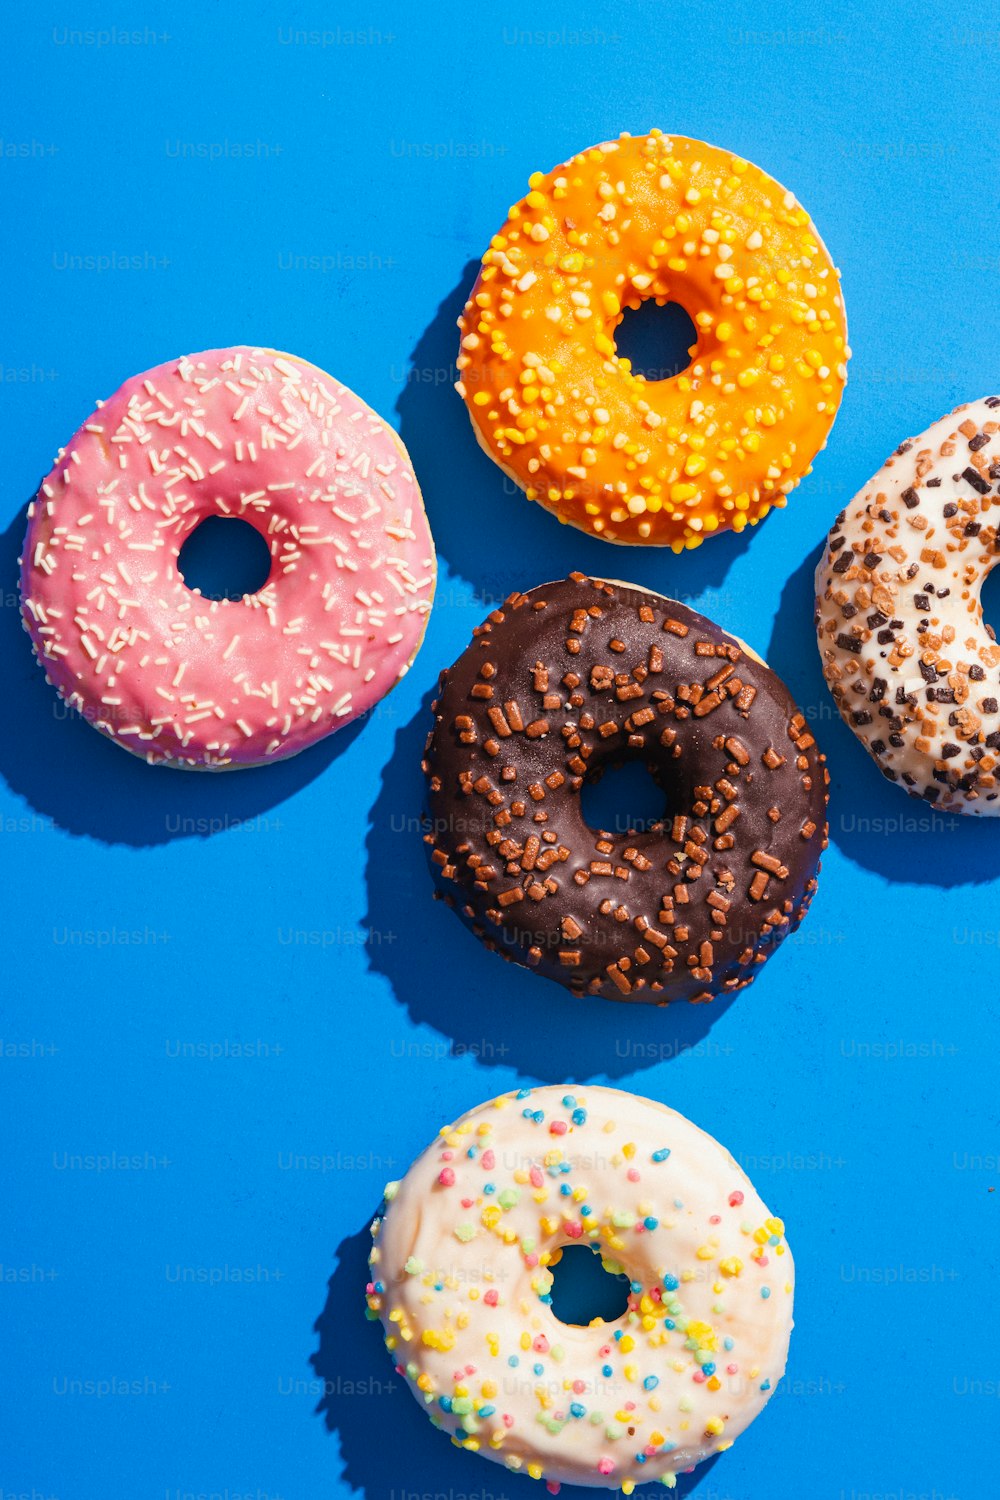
{"type": "Point", "coordinates": [657, 338]}
{"type": "Point", "coordinates": [623, 797]}
{"type": "Point", "coordinates": [584, 1289]}
{"type": "Point", "coordinates": [224, 558]}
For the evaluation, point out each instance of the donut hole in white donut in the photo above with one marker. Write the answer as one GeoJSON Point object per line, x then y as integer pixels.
{"type": "Point", "coordinates": [224, 558]}
{"type": "Point", "coordinates": [657, 339]}
{"type": "Point", "coordinates": [623, 797]}
{"type": "Point", "coordinates": [989, 598]}
{"type": "Point", "coordinates": [585, 1289]}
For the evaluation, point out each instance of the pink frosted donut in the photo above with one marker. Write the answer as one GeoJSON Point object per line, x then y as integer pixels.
{"type": "Point", "coordinates": [222, 684]}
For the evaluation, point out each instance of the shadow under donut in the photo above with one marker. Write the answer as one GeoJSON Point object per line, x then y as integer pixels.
{"type": "Point", "coordinates": [387, 1444]}
{"type": "Point", "coordinates": [483, 524]}
{"type": "Point", "coordinates": [486, 1008]}
{"type": "Point", "coordinates": [71, 775]}
{"type": "Point", "coordinates": [873, 822]}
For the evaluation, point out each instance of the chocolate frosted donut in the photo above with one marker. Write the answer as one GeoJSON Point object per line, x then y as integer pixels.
{"type": "Point", "coordinates": [565, 681]}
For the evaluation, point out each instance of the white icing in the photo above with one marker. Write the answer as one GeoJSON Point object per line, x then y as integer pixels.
{"type": "Point", "coordinates": [924, 699]}
{"type": "Point", "coordinates": [459, 1271]}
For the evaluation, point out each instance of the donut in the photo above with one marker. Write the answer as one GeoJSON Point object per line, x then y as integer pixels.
{"type": "Point", "coordinates": [560, 684]}
{"type": "Point", "coordinates": [203, 684]}
{"type": "Point", "coordinates": [665, 462]}
{"type": "Point", "coordinates": [461, 1270]}
{"type": "Point", "coordinates": [913, 667]}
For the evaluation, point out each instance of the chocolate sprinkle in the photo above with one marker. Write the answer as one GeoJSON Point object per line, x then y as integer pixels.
{"type": "Point", "coordinates": [976, 480]}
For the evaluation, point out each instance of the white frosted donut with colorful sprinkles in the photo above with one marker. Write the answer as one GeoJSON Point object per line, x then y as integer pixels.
{"type": "Point", "coordinates": [221, 684]}
{"type": "Point", "coordinates": [461, 1280]}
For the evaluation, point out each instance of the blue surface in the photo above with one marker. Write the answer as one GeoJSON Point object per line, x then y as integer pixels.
{"type": "Point", "coordinates": [153, 917]}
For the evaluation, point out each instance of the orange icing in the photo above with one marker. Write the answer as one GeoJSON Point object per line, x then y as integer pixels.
{"type": "Point", "coordinates": [664, 462]}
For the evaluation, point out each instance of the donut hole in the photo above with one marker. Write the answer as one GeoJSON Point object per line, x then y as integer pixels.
{"type": "Point", "coordinates": [657, 340]}
{"type": "Point", "coordinates": [989, 596]}
{"type": "Point", "coordinates": [622, 799]}
{"type": "Point", "coordinates": [583, 1289]}
{"type": "Point", "coordinates": [224, 558]}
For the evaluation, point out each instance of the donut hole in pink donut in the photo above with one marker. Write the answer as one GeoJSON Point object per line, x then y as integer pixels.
{"type": "Point", "coordinates": [658, 339]}
{"type": "Point", "coordinates": [583, 1289]}
{"type": "Point", "coordinates": [624, 797]}
{"type": "Point", "coordinates": [224, 558]}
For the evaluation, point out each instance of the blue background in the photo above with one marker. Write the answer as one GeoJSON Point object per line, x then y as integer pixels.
{"type": "Point", "coordinates": [152, 917]}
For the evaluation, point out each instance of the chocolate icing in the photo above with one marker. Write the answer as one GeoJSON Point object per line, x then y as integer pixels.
{"type": "Point", "coordinates": [559, 684]}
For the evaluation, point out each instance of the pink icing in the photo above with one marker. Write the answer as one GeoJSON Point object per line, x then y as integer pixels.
{"type": "Point", "coordinates": [199, 683]}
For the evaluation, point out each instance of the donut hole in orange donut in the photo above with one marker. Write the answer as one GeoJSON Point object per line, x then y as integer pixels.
{"type": "Point", "coordinates": [657, 338]}
{"type": "Point", "coordinates": [623, 797]}
{"type": "Point", "coordinates": [583, 1289]}
{"type": "Point", "coordinates": [224, 558]}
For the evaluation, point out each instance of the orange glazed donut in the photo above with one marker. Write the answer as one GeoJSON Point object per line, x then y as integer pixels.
{"type": "Point", "coordinates": [664, 462]}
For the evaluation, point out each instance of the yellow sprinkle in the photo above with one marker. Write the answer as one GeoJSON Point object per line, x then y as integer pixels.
{"type": "Point", "coordinates": [444, 1340]}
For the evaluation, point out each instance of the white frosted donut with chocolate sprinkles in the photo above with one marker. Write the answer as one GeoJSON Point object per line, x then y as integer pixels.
{"type": "Point", "coordinates": [461, 1280]}
{"type": "Point", "coordinates": [911, 663]}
